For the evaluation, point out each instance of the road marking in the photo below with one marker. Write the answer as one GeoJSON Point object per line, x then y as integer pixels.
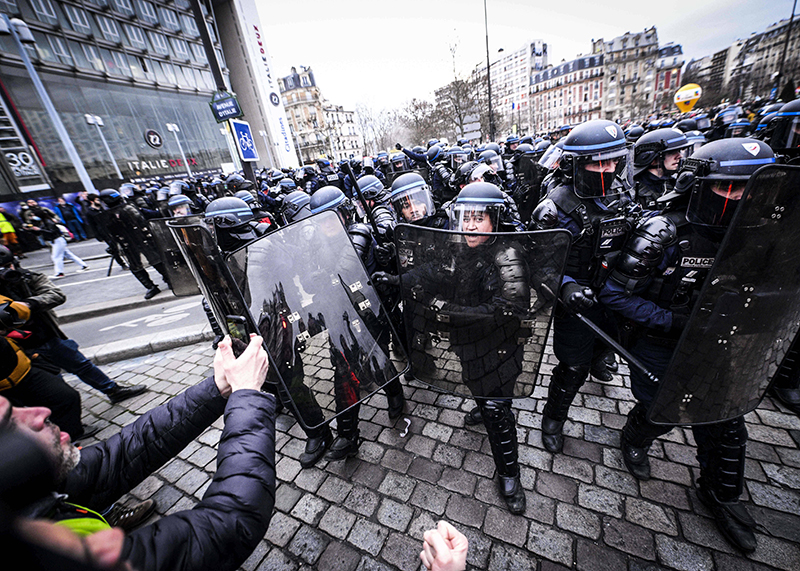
{"type": "Point", "coordinates": [167, 316]}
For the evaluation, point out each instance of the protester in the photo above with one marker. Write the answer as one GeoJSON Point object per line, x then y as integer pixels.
{"type": "Point", "coordinates": [71, 218]}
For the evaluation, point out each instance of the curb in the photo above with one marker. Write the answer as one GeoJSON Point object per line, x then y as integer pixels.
{"type": "Point", "coordinates": [115, 306]}
{"type": "Point", "coordinates": [147, 344]}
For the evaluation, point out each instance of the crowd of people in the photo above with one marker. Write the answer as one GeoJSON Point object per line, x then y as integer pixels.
{"type": "Point", "coordinates": [646, 206]}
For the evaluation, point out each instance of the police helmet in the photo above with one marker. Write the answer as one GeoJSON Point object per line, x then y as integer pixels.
{"type": "Point", "coordinates": [477, 208]}
{"type": "Point", "coordinates": [127, 189]}
{"type": "Point", "coordinates": [382, 158]}
{"type": "Point", "coordinates": [717, 175]}
{"type": "Point", "coordinates": [595, 153]}
{"type": "Point", "coordinates": [287, 185]}
{"type": "Point", "coordinates": [332, 198]}
{"type": "Point", "coordinates": [6, 256]}
{"type": "Point", "coordinates": [434, 153]}
{"type": "Point", "coordinates": [696, 139]}
{"type": "Point", "coordinates": [248, 197]}
{"type": "Point", "coordinates": [178, 187]}
{"type": "Point", "coordinates": [525, 148]}
{"type": "Point", "coordinates": [456, 156]}
{"type": "Point", "coordinates": [418, 150]}
{"type": "Point", "coordinates": [179, 205]}
{"type": "Point", "coordinates": [463, 173]}
{"type": "Point", "coordinates": [633, 132]}
{"type": "Point", "coordinates": [411, 198]}
{"type": "Point", "coordinates": [654, 145]}
{"type": "Point", "coordinates": [492, 147]}
{"type": "Point", "coordinates": [371, 187]}
{"type": "Point", "coordinates": [399, 162]}
{"type": "Point", "coordinates": [492, 158]}
{"type": "Point", "coordinates": [324, 165]}
{"type": "Point", "coordinates": [432, 142]}
{"type": "Point", "coordinates": [686, 125]}
{"type": "Point", "coordinates": [511, 140]}
{"type": "Point", "coordinates": [111, 197]}
{"type": "Point", "coordinates": [229, 212]}
{"type": "Point", "coordinates": [296, 206]}
{"type": "Point", "coordinates": [783, 133]}
{"type": "Point", "coordinates": [527, 139]}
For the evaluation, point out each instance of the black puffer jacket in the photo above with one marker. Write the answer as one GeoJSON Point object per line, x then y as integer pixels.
{"type": "Point", "coordinates": [221, 531]}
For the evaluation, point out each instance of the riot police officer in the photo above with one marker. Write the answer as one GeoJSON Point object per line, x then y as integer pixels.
{"type": "Point", "coordinates": [590, 203]}
{"type": "Point", "coordinates": [129, 230]}
{"type": "Point", "coordinates": [656, 157]}
{"type": "Point", "coordinates": [347, 440]}
{"type": "Point", "coordinates": [653, 288]}
{"type": "Point", "coordinates": [413, 203]}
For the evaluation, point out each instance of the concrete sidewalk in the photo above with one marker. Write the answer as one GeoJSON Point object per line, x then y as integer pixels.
{"type": "Point", "coordinates": [584, 510]}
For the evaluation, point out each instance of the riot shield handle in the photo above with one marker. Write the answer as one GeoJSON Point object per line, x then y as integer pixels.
{"type": "Point", "coordinates": [617, 347]}
{"type": "Point", "coordinates": [349, 171]}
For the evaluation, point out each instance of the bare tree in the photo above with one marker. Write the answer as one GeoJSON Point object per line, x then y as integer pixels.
{"type": "Point", "coordinates": [380, 129]}
{"type": "Point", "coordinates": [420, 118]}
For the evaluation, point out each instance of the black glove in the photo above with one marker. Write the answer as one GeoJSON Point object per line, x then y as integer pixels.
{"type": "Point", "coordinates": [398, 146]}
{"type": "Point", "coordinates": [679, 321]}
{"type": "Point", "coordinates": [576, 297]}
{"type": "Point", "coordinates": [384, 254]}
{"type": "Point", "coordinates": [386, 278]}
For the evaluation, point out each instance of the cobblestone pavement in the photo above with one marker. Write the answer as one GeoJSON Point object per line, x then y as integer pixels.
{"type": "Point", "coordinates": [584, 510]}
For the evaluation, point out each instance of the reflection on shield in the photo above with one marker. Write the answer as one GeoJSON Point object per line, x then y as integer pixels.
{"type": "Point", "coordinates": [748, 312]}
{"type": "Point", "coordinates": [322, 322]}
{"type": "Point", "coordinates": [478, 307]}
{"type": "Point", "coordinates": [216, 281]}
{"type": "Point", "coordinates": [182, 281]}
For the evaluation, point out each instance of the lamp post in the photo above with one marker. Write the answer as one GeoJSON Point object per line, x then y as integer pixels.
{"type": "Point", "coordinates": [234, 155]}
{"type": "Point", "coordinates": [21, 34]}
{"type": "Point", "coordinates": [174, 129]}
{"type": "Point", "coordinates": [98, 122]}
{"type": "Point", "coordinates": [488, 73]}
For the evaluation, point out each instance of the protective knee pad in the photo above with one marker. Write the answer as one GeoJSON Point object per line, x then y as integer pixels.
{"type": "Point", "coordinates": [564, 385]}
{"type": "Point", "coordinates": [347, 423]}
{"type": "Point", "coordinates": [502, 431]}
{"type": "Point", "coordinates": [724, 450]}
{"type": "Point", "coordinates": [640, 432]}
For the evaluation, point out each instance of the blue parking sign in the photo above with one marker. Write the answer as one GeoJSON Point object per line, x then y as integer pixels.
{"type": "Point", "coordinates": [244, 140]}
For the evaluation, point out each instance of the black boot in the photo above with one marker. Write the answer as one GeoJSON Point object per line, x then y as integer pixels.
{"type": "Point", "coordinates": [637, 437]}
{"type": "Point", "coordinates": [315, 447]}
{"type": "Point", "coordinates": [346, 442]}
{"type": "Point", "coordinates": [120, 393]}
{"type": "Point", "coordinates": [564, 385]}
{"type": "Point", "coordinates": [396, 399]}
{"type": "Point", "coordinates": [501, 427]}
{"type": "Point", "coordinates": [786, 386]}
{"type": "Point", "coordinates": [473, 417]}
{"type": "Point", "coordinates": [732, 519]}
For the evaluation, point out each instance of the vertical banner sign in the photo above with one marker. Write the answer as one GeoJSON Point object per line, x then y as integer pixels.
{"type": "Point", "coordinates": [266, 84]}
{"type": "Point", "coordinates": [244, 140]}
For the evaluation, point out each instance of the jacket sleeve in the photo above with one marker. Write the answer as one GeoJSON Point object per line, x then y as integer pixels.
{"type": "Point", "coordinates": [112, 468]}
{"type": "Point", "coordinates": [222, 530]}
{"type": "Point", "coordinates": [44, 294]}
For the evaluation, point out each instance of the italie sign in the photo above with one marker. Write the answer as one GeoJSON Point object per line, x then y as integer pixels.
{"type": "Point", "coordinates": [224, 106]}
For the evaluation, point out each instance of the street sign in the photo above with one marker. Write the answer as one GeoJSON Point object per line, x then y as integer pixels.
{"type": "Point", "coordinates": [687, 96]}
{"type": "Point", "coordinates": [472, 135]}
{"type": "Point", "coordinates": [224, 106]}
{"type": "Point", "coordinates": [244, 140]}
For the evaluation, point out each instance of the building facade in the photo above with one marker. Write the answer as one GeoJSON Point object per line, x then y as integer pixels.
{"type": "Point", "coordinates": [669, 63]}
{"type": "Point", "coordinates": [629, 74]}
{"type": "Point", "coordinates": [138, 65]}
{"type": "Point", "coordinates": [567, 94]}
{"type": "Point", "coordinates": [319, 128]}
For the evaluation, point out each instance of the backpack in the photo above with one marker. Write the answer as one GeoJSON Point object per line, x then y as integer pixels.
{"type": "Point", "coordinates": [65, 233]}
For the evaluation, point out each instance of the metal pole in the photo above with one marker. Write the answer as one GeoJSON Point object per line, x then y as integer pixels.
{"type": "Point", "coordinates": [180, 148]}
{"type": "Point", "coordinates": [211, 55]}
{"type": "Point", "coordinates": [489, 72]}
{"type": "Point", "coordinates": [108, 149]}
{"type": "Point", "coordinates": [88, 185]}
{"type": "Point", "coordinates": [226, 132]}
{"type": "Point", "coordinates": [785, 47]}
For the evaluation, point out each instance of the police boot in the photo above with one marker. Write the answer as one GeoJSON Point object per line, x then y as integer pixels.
{"type": "Point", "coordinates": [347, 441]}
{"type": "Point", "coordinates": [396, 399]}
{"type": "Point", "coordinates": [721, 481]}
{"type": "Point", "coordinates": [473, 417]}
{"type": "Point", "coordinates": [144, 279]}
{"type": "Point", "coordinates": [564, 385]}
{"type": "Point", "coordinates": [637, 437]}
{"type": "Point", "coordinates": [501, 428]}
{"type": "Point", "coordinates": [316, 445]}
{"type": "Point", "coordinates": [786, 387]}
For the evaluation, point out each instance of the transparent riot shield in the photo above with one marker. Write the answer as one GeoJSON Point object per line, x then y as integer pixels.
{"type": "Point", "coordinates": [748, 312]}
{"type": "Point", "coordinates": [182, 281]}
{"type": "Point", "coordinates": [326, 332]}
{"type": "Point", "coordinates": [478, 307]}
{"type": "Point", "coordinates": [212, 275]}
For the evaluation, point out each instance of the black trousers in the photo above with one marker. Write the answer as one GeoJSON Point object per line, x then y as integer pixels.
{"type": "Point", "coordinates": [43, 388]}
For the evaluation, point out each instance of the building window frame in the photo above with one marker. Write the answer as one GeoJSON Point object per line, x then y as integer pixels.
{"type": "Point", "coordinates": [147, 12]}
{"type": "Point", "coordinates": [109, 29]}
{"type": "Point", "coordinates": [78, 19]}
{"type": "Point", "coordinates": [60, 49]}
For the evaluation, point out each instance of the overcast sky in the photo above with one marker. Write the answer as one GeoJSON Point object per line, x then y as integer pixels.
{"type": "Point", "coordinates": [385, 53]}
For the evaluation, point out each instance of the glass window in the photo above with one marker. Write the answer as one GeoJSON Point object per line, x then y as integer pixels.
{"type": "Point", "coordinates": [116, 63]}
{"type": "Point", "coordinates": [43, 49]}
{"type": "Point", "coordinates": [135, 36]}
{"type": "Point", "coordinates": [141, 68]}
{"type": "Point", "coordinates": [199, 53]}
{"type": "Point", "coordinates": [220, 58]}
{"type": "Point", "coordinates": [59, 47]}
{"type": "Point", "coordinates": [185, 4]}
{"type": "Point", "coordinates": [78, 19]}
{"type": "Point", "coordinates": [169, 72]}
{"type": "Point", "coordinates": [93, 56]}
{"type": "Point", "coordinates": [208, 80]}
{"type": "Point", "coordinates": [78, 56]}
{"type": "Point", "coordinates": [183, 80]}
{"type": "Point", "coordinates": [44, 11]}
{"type": "Point", "coordinates": [159, 43]}
{"type": "Point", "coordinates": [161, 77]}
{"type": "Point", "coordinates": [109, 29]}
{"type": "Point", "coordinates": [169, 19]}
{"type": "Point", "coordinates": [101, 3]}
{"type": "Point", "coordinates": [180, 48]}
{"type": "Point", "coordinates": [211, 33]}
{"type": "Point", "coordinates": [146, 12]}
{"type": "Point", "coordinates": [189, 26]}
{"type": "Point", "coordinates": [9, 6]}
{"type": "Point", "coordinates": [124, 7]}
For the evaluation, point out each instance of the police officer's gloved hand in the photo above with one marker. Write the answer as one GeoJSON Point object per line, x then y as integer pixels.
{"type": "Point", "coordinates": [385, 278]}
{"type": "Point", "coordinates": [679, 321]}
{"type": "Point", "coordinates": [384, 254]}
{"type": "Point", "coordinates": [576, 297]}
{"type": "Point", "coordinates": [398, 146]}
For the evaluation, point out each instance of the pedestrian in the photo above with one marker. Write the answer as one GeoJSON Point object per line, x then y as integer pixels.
{"type": "Point", "coordinates": [71, 218]}
{"type": "Point", "coordinates": [55, 234]}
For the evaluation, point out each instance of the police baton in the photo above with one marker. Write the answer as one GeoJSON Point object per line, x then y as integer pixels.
{"type": "Point", "coordinates": [349, 171]}
{"type": "Point", "coordinates": [624, 353]}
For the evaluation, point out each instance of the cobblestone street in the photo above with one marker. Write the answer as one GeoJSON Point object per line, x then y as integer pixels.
{"type": "Point", "coordinates": [584, 510]}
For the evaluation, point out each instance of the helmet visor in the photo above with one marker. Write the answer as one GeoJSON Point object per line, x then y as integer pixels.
{"type": "Point", "coordinates": [787, 132]}
{"type": "Point", "coordinates": [600, 177]}
{"type": "Point", "coordinates": [551, 157]}
{"type": "Point", "coordinates": [475, 218]}
{"type": "Point", "coordinates": [714, 201]}
{"type": "Point", "coordinates": [412, 204]}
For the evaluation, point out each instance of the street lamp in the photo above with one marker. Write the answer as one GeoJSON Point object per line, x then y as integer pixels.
{"type": "Point", "coordinates": [22, 34]}
{"type": "Point", "coordinates": [488, 73]}
{"type": "Point", "coordinates": [98, 122]}
{"type": "Point", "coordinates": [174, 129]}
